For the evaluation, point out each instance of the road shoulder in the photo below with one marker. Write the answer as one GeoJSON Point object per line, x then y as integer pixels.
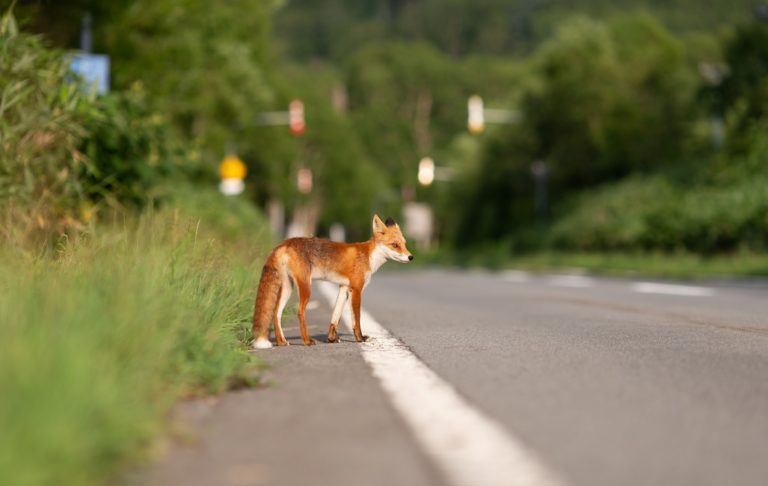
{"type": "Point", "coordinates": [321, 416]}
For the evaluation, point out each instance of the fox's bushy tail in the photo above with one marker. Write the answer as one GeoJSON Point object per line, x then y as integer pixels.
{"type": "Point", "coordinates": [266, 300]}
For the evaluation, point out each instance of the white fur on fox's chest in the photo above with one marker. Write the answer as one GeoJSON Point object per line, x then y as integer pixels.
{"type": "Point", "coordinates": [377, 259]}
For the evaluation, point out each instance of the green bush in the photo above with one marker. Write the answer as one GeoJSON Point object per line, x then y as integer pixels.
{"type": "Point", "coordinates": [602, 101]}
{"type": "Point", "coordinates": [63, 151]}
{"type": "Point", "coordinates": [208, 70]}
{"type": "Point", "coordinates": [652, 213]}
{"type": "Point", "coordinates": [99, 340]}
{"type": "Point", "coordinates": [41, 128]}
{"type": "Point", "coordinates": [130, 150]}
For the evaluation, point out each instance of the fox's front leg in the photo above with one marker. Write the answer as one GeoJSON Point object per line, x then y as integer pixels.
{"type": "Point", "coordinates": [357, 295]}
{"type": "Point", "coordinates": [333, 336]}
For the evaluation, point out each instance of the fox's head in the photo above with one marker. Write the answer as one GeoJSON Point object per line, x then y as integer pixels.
{"type": "Point", "coordinates": [390, 240]}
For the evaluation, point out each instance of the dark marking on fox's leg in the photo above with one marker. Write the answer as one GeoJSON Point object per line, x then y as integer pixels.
{"type": "Point", "coordinates": [332, 336]}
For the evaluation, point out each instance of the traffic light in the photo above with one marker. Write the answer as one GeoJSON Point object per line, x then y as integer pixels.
{"type": "Point", "coordinates": [426, 171]}
{"type": "Point", "coordinates": [304, 180]}
{"type": "Point", "coordinates": [296, 117]}
{"type": "Point", "coordinates": [476, 119]}
{"type": "Point", "coordinates": [232, 171]}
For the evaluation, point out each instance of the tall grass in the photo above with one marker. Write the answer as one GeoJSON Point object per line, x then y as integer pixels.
{"type": "Point", "coordinates": [99, 338]}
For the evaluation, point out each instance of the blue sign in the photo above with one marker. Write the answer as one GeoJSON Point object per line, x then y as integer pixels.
{"type": "Point", "coordinates": [93, 69]}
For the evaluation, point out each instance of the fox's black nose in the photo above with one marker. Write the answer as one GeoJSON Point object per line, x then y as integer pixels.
{"type": "Point", "coordinates": [410, 257]}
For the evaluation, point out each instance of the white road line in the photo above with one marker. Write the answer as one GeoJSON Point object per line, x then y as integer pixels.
{"type": "Point", "coordinates": [672, 289]}
{"type": "Point", "coordinates": [577, 281]}
{"type": "Point", "coordinates": [470, 448]}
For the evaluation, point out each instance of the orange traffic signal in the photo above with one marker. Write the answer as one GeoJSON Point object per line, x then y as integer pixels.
{"type": "Point", "coordinates": [296, 117]}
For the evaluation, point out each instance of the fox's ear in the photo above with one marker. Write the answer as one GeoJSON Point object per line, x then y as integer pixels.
{"type": "Point", "coordinates": [378, 225]}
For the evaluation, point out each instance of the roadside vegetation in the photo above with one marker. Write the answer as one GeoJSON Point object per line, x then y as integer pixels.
{"type": "Point", "coordinates": [102, 334]}
{"type": "Point", "coordinates": [124, 284]}
{"type": "Point", "coordinates": [678, 265]}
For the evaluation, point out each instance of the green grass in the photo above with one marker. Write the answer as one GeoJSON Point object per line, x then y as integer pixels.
{"type": "Point", "coordinates": [684, 266]}
{"type": "Point", "coordinates": [99, 339]}
{"type": "Point", "coordinates": [662, 265]}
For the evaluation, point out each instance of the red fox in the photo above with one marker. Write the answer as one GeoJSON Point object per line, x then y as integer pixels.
{"type": "Point", "coordinates": [297, 261]}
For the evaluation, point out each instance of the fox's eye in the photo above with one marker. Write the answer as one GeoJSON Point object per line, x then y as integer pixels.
{"type": "Point", "coordinates": [396, 246]}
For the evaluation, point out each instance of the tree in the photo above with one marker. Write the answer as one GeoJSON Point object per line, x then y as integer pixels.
{"type": "Point", "coordinates": [745, 86]}
{"type": "Point", "coordinates": [208, 70]}
{"type": "Point", "coordinates": [607, 101]}
{"type": "Point", "coordinates": [605, 93]}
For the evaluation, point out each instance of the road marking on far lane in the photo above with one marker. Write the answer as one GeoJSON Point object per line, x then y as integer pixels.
{"type": "Point", "coordinates": [577, 281]}
{"type": "Point", "coordinates": [672, 289]}
{"type": "Point", "coordinates": [516, 276]}
{"type": "Point", "coordinates": [470, 448]}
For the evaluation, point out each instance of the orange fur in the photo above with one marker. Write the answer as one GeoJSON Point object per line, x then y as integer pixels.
{"type": "Point", "coordinates": [297, 261]}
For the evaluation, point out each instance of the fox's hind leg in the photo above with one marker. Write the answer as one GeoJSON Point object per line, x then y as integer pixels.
{"type": "Point", "coordinates": [333, 337]}
{"type": "Point", "coordinates": [305, 290]}
{"type": "Point", "coordinates": [284, 295]}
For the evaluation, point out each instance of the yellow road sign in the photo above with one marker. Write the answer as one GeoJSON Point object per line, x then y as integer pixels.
{"type": "Point", "coordinates": [232, 168]}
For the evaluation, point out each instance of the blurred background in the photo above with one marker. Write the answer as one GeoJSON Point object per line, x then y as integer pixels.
{"type": "Point", "coordinates": [630, 126]}
{"type": "Point", "coordinates": [153, 151]}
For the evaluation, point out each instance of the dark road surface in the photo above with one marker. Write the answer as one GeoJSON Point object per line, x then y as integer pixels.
{"type": "Point", "coordinates": [610, 385]}
{"type": "Point", "coordinates": [610, 382]}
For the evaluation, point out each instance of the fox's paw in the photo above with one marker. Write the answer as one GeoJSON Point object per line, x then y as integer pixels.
{"type": "Point", "coordinates": [283, 343]}
{"type": "Point", "coordinates": [261, 343]}
{"type": "Point", "coordinates": [333, 337]}
{"type": "Point", "coordinates": [311, 342]}
{"type": "Point", "coordinates": [362, 339]}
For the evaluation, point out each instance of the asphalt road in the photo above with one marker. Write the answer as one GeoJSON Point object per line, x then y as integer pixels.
{"type": "Point", "coordinates": [608, 381]}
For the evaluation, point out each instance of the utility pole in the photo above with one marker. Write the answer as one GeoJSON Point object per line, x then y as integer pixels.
{"type": "Point", "coordinates": [86, 34]}
{"type": "Point", "coordinates": [540, 173]}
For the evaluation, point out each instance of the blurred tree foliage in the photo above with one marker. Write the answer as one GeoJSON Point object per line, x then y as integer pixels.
{"type": "Point", "coordinates": [61, 22]}
{"type": "Point", "coordinates": [131, 152]}
{"type": "Point", "coordinates": [601, 100]}
{"type": "Point", "coordinates": [347, 184]}
{"type": "Point", "coordinates": [401, 96]}
{"type": "Point", "coordinates": [206, 69]}
{"type": "Point", "coordinates": [607, 100]}
{"type": "Point", "coordinates": [209, 73]}
{"type": "Point", "coordinates": [607, 91]}
{"type": "Point", "coordinates": [745, 86]}
{"type": "Point", "coordinates": [604, 93]}
{"type": "Point", "coordinates": [408, 100]}
{"type": "Point", "coordinates": [333, 29]}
